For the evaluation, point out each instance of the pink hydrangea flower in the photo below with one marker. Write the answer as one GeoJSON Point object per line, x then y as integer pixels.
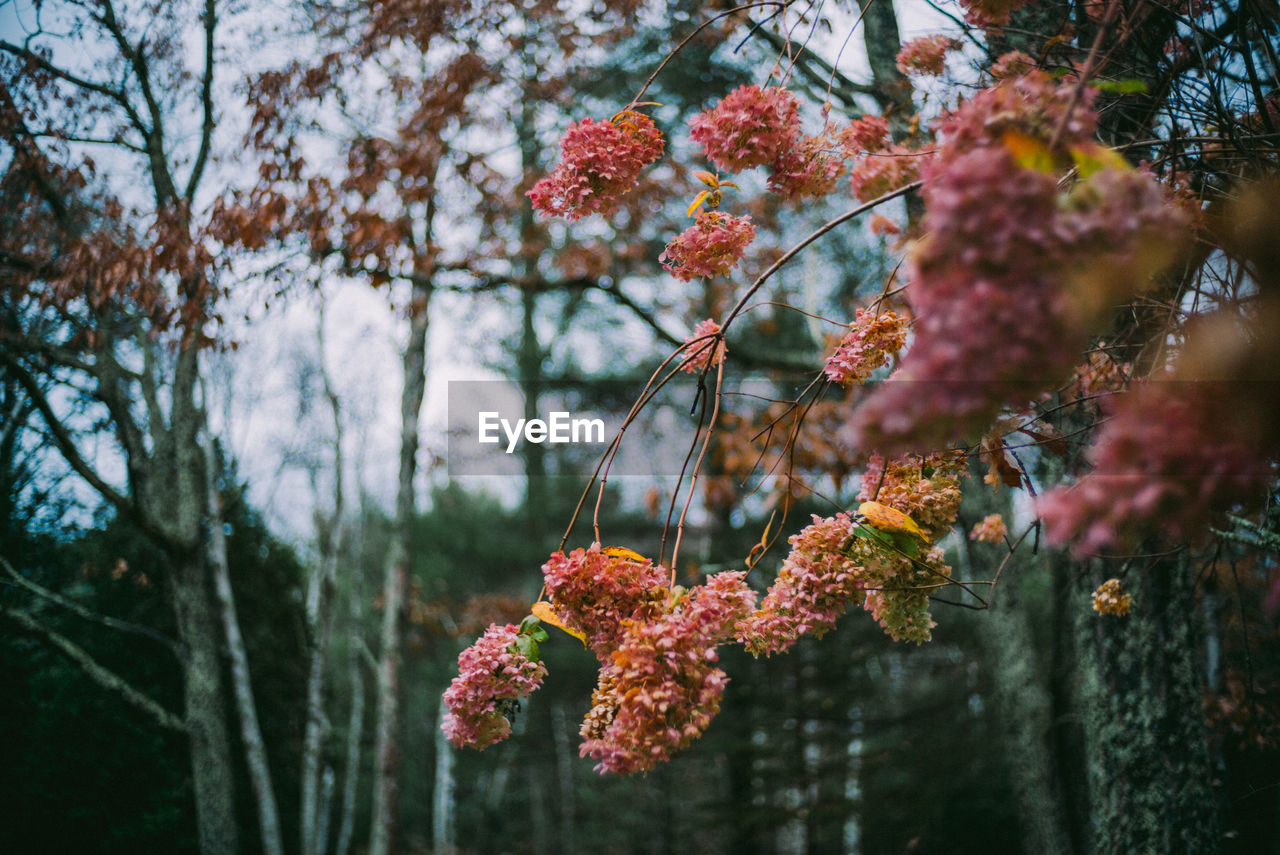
{"type": "Point", "coordinates": [492, 676]}
{"type": "Point", "coordinates": [991, 530]}
{"type": "Point", "coordinates": [868, 134]}
{"type": "Point", "coordinates": [884, 171]}
{"type": "Point", "coordinates": [830, 569]}
{"type": "Point", "coordinates": [808, 170]}
{"type": "Point", "coordinates": [703, 351]}
{"type": "Point", "coordinates": [997, 317]}
{"type": "Point", "coordinates": [924, 487]}
{"type": "Point", "coordinates": [749, 127]}
{"type": "Point", "coordinates": [599, 163]}
{"type": "Point", "coordinates": [1166, 460]}
{"type": "Point", "coordinates": [870, 343]}
{"type": "Point", "coordinates": [989, 14]}
{"type": "Point", "coordinates": [1012, 64]}
{"type": "Point", "coordinates": [712, 246]}
{"type": "Point", "coordinates": [926, 56]}
{"type": "Point", "coordinates": [662, 687]}
{"type": "Point", "coordinates": [595, 593]}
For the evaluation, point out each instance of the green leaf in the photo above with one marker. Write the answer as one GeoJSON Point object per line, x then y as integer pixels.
{"type": "Point", "coordinates": [1120, 87]}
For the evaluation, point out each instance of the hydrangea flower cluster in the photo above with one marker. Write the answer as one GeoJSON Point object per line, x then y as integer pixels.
{"type": "Point", "coordinates": [926, 56]}
{"type": "Point", "coordinates": [599, 163]}
{"type": "Point", "coordinates": [998, 282]}
{"type": "Point", "coordinates": [1015, 63]}
{"type": "Point", "coordinates": [884, 171]}
{"type": "Point", "coordinates": [865, 135]}
{"type": "Point", "coordinates": [807, 170]}
{"type": "Point", "coordinates": [712, 246]}
{"type": "Point", "coordinates": [704, 352]}
{"type": "Point", "coordinates": [492, 675]}
{"type": "Point", "coordinates": [1166, 459]}
{"type": "Point", "coordinates": [990, 14]}
{"type": "Point", "coordinates": [924, 487]}
{"type": "Point", "coordinates": [829, 569]}
{"type": "Point", "coordinates": [662, 687]}
{"type": "Point", "coordinates": [749, 127]}
{"type": "Point", "coordinates": [869, 344]}
{"type": "Point", "coordinates": [1111, 599]}
{"type": "Point", "coordinates": [594, 593]}
{"type": "Point", "coordinates": [990, 530]}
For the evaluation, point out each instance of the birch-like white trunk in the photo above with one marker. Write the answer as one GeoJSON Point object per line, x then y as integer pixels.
{"type": "Point", "coordinates": [250, 732]}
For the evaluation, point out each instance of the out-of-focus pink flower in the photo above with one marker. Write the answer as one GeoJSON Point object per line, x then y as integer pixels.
{"type": "Point", "coordinates": [991, 530]}
{"type": "Point", "coordinates": [703, 351]}
{"type": "Point", "coordinates": [926, 56]}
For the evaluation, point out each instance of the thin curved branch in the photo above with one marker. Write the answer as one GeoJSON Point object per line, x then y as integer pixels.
{"type": "Point", "coordinates": [103, 676]}
{"type": "Point", "coordinates": [79, 610]}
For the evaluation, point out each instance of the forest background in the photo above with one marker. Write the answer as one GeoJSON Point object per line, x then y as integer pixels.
{"type": "Point", "coordinates": [248, 247]}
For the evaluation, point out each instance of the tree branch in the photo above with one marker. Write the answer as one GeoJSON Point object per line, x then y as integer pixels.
{"type": "Point", "coordinates": [62, 438]}
{"type": "Point", "coordinates": [77, 609]}
{"type": "Point", "coordinates": [104, 677]}
{"type": "Point", "coordinates": [206, 102]}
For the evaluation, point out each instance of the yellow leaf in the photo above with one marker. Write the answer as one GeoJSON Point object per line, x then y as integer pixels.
{"type": "Point", "coordinates": [1092, 158]}
{"type": "Point", "coordinates": [729, 184]}
{"type": "Point", "coordinates": [623, 552]}
{"type": "Point", "coordinates": [542, 611]}
{"type": "Point", "coordinates": [1028, 152]}
{"type": "Point", "coordinates": [890, 519]}
{"type": "Point", "coordinates": [697, 201]}
{"type": "Point", "coordinates": [707, 178]}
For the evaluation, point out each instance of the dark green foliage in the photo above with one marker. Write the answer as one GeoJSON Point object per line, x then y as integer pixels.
{"type": "Point", "coordinates": [84, 772]}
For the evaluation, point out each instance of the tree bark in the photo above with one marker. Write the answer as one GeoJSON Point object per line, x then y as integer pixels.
{"type": "Point", "coordinates": [1150, 778]}
{"type": "Point", "coordinates": [255, 750]}
{"type": "Point", "coordinates": [205, 711]}
{"type": "Point", "coordinates": [387, 769]}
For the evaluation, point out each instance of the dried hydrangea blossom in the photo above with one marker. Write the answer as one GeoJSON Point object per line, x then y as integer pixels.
{"type": "Point", "coordinates": [599, 163]}
{"type": "Point", "coordinates": [865, 135]}
{"type": "Point", "coordinates": [1012, 273]}
{"type": "Point", "coordinates": [1166, 460]}
{"type": "Point", "coordinates": [926, 56]}
{"type": "Point", "coordinates": [662, 687]}
{"type": "Point", "coordinates": [990, 14]}
{"type": "Point", "coordinates": [594, 593]}
{"type": "Point", "coordinates": [808, 170]}
{"type": "Point", "coordinates": [1015, 63]}
{"type": "Point", "coordinates": [830, 569]}
{"type": "Point", "coordinates": [990, 530]}
{"type": "Point", "coordinates": [872, 340]}
{"type": "Point", "coordinates": [712, 246]}
{"type": "Point", "coordinates": [749, 127]}
{"type": "Point", "coordinates": [492, 675]}
{"type": "Point", "coordinates": [877, 173]}
{"type": "Point", "coordinates": [924, 487]}
{"type": "Point", "coordinates": [704, 351]}
{"type": "Point", "coordinates": [1111, 599]}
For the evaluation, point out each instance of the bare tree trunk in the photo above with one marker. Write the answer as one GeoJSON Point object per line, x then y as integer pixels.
{"type": "Point", "coordinates": [355, 727]}
{"type": "Point", "coordinates": [250, 733]}
{"type": "Point", "coordinates": [442, 827]}
{"type": "Point", "coordinates": [205, 708]}
{"type": "Point", "coordinates": [386, 787]}
{"type": "Point", "coordinates": [320, 620]}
